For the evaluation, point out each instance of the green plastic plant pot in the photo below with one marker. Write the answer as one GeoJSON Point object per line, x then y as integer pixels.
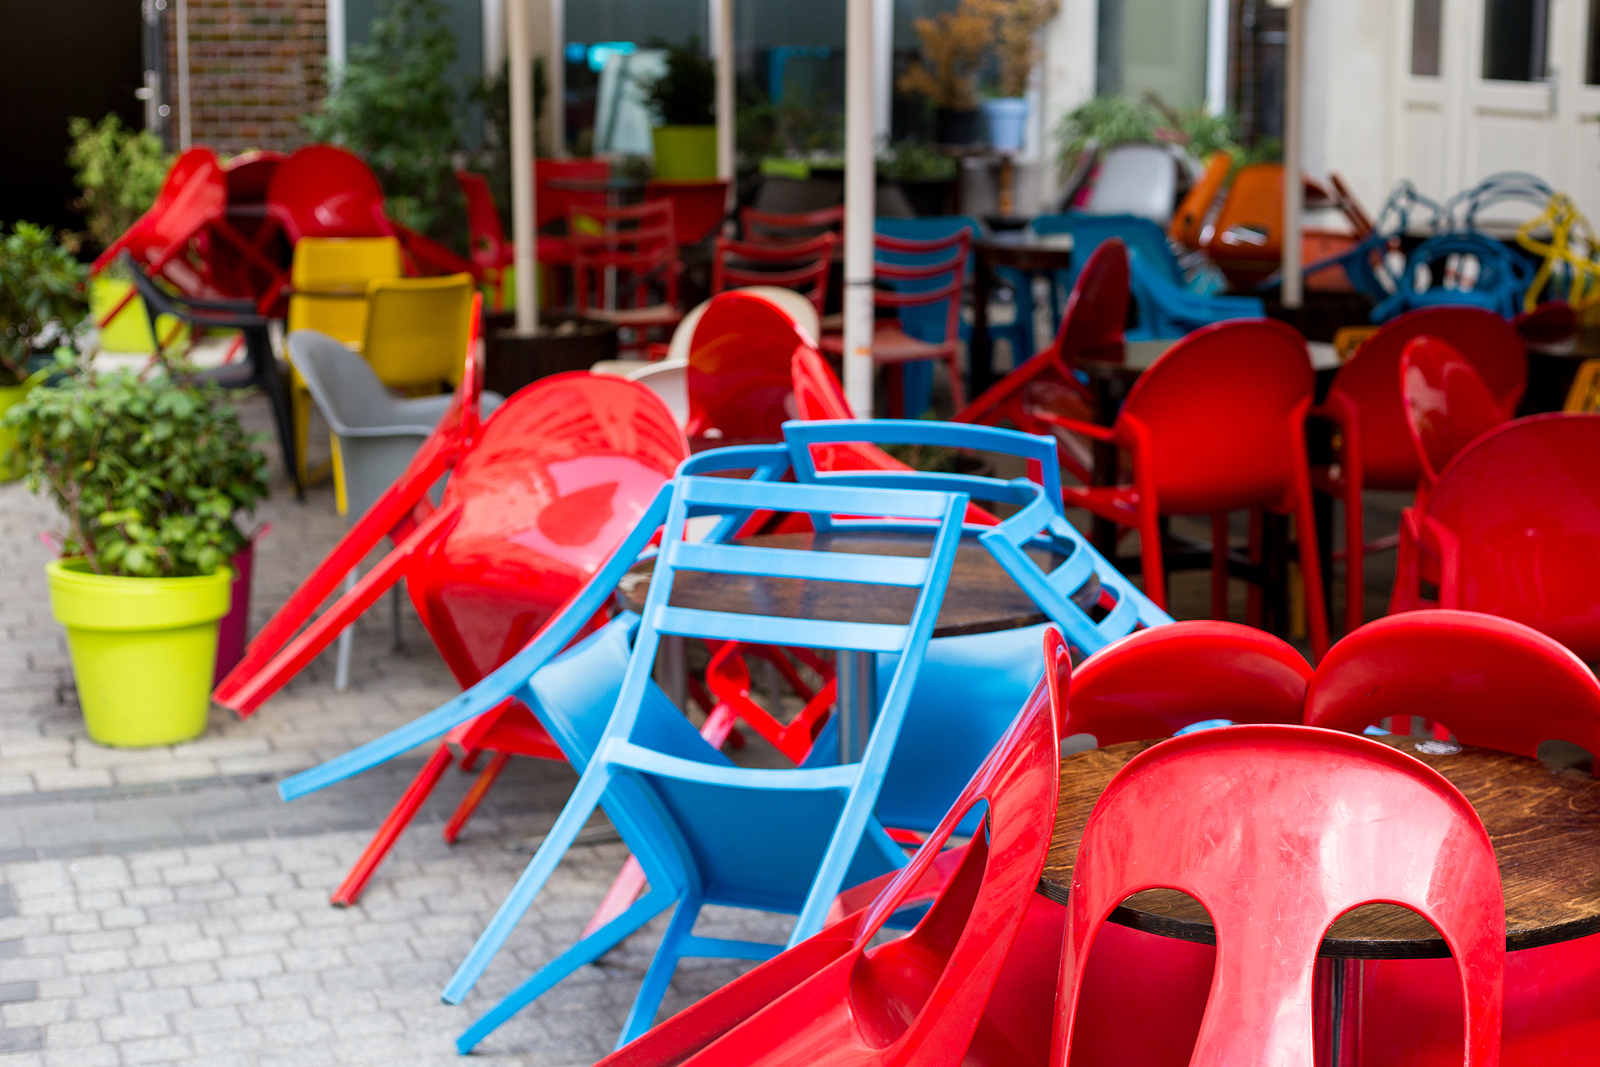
{"type": "Point", "coordinates": [11, 466]}
{"type": "Point", "coordinates": [685, 153]}
{"type": "Point", "coordinates": [130, 330]}
{"type": "Point", "coordinates": [143, 650]}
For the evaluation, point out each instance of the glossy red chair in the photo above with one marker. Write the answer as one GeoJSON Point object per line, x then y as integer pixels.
{"type": "Point", "coordinates": [1372, 444]}
{"type": "Point", "coordinates": [1091, 328]}
{"type": "Point", "coordinates": [490, 250]}
{"type": "Point", "coordinates": [1513, 529]}
{"type": "Point", "coordinates": [739, 381]}
{"type": "Point", "coordinates": [537, 499]}
{"type": "Point", "coordinates": [1496, 684]}
{"type": "Point", "coordinates": [803, 266]}
{"type": "Point", "coordinates": [620, 271]}
{"type": "Point", "coordinates": [924, 998]}
{"type": "Point", "coordinates": [553, 203]}
{"type": "Point", "coordinates": [699, 207]}
{"type": "Point", "coordinates": [777, 227]}
{"type": "Point", "coordinates": [322, 190]}
{"type": "Point", "coordinates": [1447, 405]}
{"type": "Point", "coordinates": [1277, 831]}
{"type": "Point", "coordinates": [1216, 423]}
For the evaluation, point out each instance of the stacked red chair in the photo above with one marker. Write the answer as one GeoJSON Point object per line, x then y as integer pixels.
{"type": "Point", "coordinates": [625, 266]}
{"type": "Point", "coordinates": [1448, 405]}
{"type": "Point", "coordinates": [537, 499]}
{"type": "Point", "coordinates": [699, 207]}
{"type": "Point", "coordinates": [490, 249]}
{"type": "Point", "coordinates": [804, 266]}
{"type": "Point", "coordinates": [1373, 447]}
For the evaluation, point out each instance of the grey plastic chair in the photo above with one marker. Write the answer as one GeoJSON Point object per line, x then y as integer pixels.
{"type": "Point", "coordinates": [375, 435]}
{"type": "Point", "coordinates": [1136, 179]}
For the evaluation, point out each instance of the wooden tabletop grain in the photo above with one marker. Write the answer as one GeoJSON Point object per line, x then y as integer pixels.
{"type": "Point", "coordinates": [980, 597]}
{"type": "Point", "coordinates": [1545, 827]}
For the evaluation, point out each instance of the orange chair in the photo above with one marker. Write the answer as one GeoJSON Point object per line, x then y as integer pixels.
{"type": "Point", "coordinates": [1188, 222]}
{"type": "Point", "coordinates": [1217, 423]}
{"type": "Point", "coordinates": [698, 206]}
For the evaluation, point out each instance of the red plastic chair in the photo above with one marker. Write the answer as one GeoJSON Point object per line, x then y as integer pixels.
{"type": "Point", "coordinates": [552, 204]}
{"type": "Point", "coordinates": [924, 998]}
{"type": "Point", "coordinates": [1497, 684]}
{"type": "Point", "coordinates": [803, 266]}
{"type": "Point", "coordinates": [633, 258]}
{"type": "Point", "coordinates": [249, 174]}
{"type": "Point", "coordinates": [491, 252]}
{"type": "Point", "coordinates": [1277, 831]}
{"type": "Point", "coordinates": [1373, 448]}
{"type": "Point", "coordinates": [325, 191]}
{"type": "Point", "coordinates": [1513, 529]}
{"type": "Point", "coordinates": [776, 227]}
{"type": "Point", "coordinates": [1215, 424]}
{"type": "Point", "coordinates": [1447, 405]}
{"type": "Point", "coordinates": [935, 289]}
{"type": "Point", "coordinates": [698, 206]}
{"type": "Point", "coordinates": [538, 499]}
{"type": "Point", "coordinates": [1553, 325]}
{"type": "Point", "coordinates": [1091, 328]}
{"type": "Point", "coordinates": [739, 369]}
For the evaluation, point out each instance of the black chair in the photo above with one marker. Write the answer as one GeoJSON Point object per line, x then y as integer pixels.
{"type": "Point", "coordinates": [260, 368]}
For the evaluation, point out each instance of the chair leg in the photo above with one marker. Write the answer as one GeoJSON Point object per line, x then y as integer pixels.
{"type": "Point", "coordinates": [1150, 557]}
{"type": "Point", "coordinates": [394, 617]}
{"type": "Point", "coordinates": [1305, 521]}
{"type": "Point", "coordinates": [654, 987]}
{"type": "Point", "coordinates": [341, 670]}
{"type": "Point", "coordinates": [258, 348]}
{"type": "Point", "coordinates": [475, 795]}
{"type": "Point", "coordinates": [895, 382]}
{"type": "Point", "coordinates": [1219, 565]}
{"type": "Point", "coordinates": [1355, 594]}
{"type": "Point", "coordinates": [958, 390]}
{"type": "Point", "coordinates": [392, 828]}
{"type": "Point", "coordinates": [300, 405]}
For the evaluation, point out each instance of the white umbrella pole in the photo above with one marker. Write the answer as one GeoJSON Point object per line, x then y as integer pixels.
{"type": "Point", "coordinates": [1293, 186]}
{"type": "Point", "coordinates": [722, 44]}
{"type": "Point", "coordinates": [860, 181]}
{"type": "Point", "coordinates": [522, 193]}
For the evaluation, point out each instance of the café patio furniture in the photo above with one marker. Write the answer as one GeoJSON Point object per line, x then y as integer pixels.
{"type": "Point", "coordinates": [803, 266]}
{"type": "Point", "coordinates": [1448, 405]}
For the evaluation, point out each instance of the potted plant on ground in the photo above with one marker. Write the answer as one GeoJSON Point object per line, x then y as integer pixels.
{"type": "Point", "coordinates": [1016, 33]}
{"type": "Point", "coordinates": [682, 101]}
{"type": "Point", "coordinates": [41, 307]}
{"type": "Point", "coordinates": [150, 477]}
{"type": "Point", "coordinates": [953, 46]}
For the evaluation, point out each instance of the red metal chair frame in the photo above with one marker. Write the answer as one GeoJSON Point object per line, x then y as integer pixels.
{"type": "Point", "coordinates": [753, 220]}
{"type": "Point", "coordinates": [637, 249]}
{"type": "Point", "coordinates": [491, 251]}
{"type": "Point", "coordinates": [810, 280]}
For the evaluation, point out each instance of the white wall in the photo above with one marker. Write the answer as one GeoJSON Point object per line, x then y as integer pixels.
{"type": "Point", "coordinates": [1068, 80]}
{"type": "Point", "coordinates": [1349, 94]}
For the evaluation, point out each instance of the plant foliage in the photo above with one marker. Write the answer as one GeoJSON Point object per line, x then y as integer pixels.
{"type": "Point", "coordinates": [120, 172]}
{"type": "Point", "coordinates": [685, 93]}
{"type": "Point", "coordinates": [953, 49]}
{"type": "Point", "coordinates": [1108, 121]}
{"type": "Point", "coordinates": [912, 162]}
{"type": "Point", "coordinates": [41, 297]}
{"type": "Point", "coordinates": [149, 475]}
{"type": "Point", "coordinates": [493, 160]}
{"type": "Point", "coordinates": [394, 104]}
{"type": "Point", "coordinates": [1016, 38]}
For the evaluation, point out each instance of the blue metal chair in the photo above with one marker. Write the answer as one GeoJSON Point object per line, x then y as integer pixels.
{"type": "Point", "coordinates": [703, 830]}
{"type": "Point", "coordinates": [1503, 276]}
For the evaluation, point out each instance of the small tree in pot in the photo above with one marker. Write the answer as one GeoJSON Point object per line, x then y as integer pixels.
{"type": "Point", "coordinates": [149, 476]}
{"type": "Point", "coordinates": [953, 48]}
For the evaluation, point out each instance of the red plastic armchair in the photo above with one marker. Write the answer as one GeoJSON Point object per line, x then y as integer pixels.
{"type": "Point", "coordinates": [804, 266]}
{"type": "Point", "coordinates": [491, 252]}
{"type": "Point", "coordinates": [324, 191]}
{"type": "Point", "coordinates": [634, 256]}
{"type": "Point", "coordinates": [1447, 405]}
{"type": "Point", "coordinates": [1513, 529]}
{"type": "Point", "coordinates": [1277, 831]}
{"type": "Point", "coordinates": [1215, 424]}
{"type": "Point", "coordinates": [925, 998]}
{"type": "Point", "coordinates": [776, 227]}
{"type": "Point", "coordinates": [1372, 445]}
{"type": "Point", "coordinates": [1091, 328]}
{"type": "Point", "coordinates": [698, 206]}
{"type": "Point", "coordinates": [739, 369]}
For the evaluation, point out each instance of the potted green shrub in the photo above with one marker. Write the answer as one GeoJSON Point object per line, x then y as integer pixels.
{"type": "Point", "coordinates": [120, 171]}
{"type": "Point", "coordinates": [926, 175]}
{"type": "Point", "coordinates": [41, 307]}
{"type": "Point", "coordinates": [150, 477]}
{"type": "Point", "coordinates": [682, 100]}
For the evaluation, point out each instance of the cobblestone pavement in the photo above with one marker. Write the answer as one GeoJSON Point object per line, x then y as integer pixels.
{"type": "Point", "coordinates": [163, 906]}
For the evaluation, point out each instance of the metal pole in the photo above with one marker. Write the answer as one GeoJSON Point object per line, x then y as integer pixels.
{"type": "Point", "coordinates": [722, 45]}
{"type": "Point", "coordinates": [522, 191]}
{"type": "Point", "coordinates": [556, 79]}
{"type": "Point", "coordinates": [860, 181]}
{"type": "Point", "coordinates": [1293, 186]}
{"type": "Point", "coordinates": [185, 127]}
{"type": "Point", "coordinates": [1217, 56]}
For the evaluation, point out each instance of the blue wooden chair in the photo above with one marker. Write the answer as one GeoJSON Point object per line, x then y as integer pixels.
{"type": "Point", "coordinates": [705, 831]}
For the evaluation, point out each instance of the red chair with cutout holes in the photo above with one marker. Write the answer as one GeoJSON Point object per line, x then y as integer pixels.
{"type": "Point", "coordinates": [537, 499]}
{"type": "Point", "coordinates": [971, 982]}
{"type": "Point", "coordinates": [1372, 444]}
{"type": "Point", "coordinates": [1217, 423]}
{"type": "Point", "coordinates": [776, 227]}
{"type": "Point", "coordinates": [491, 251]}
{"type": "Point", "coordinates": [698, 206]}
{"type": "Point", "coordinates": [803, 266]}
{"type": "Point", "coordinates": [1447, 405]}
{"type": "Point", "coordinates": [1497, 684]}
{"type": "Point", "coordinates": [1277, 831]}
{"type": "Point", "coordinates": [1091, 328]}
{"type": "Point", "coordinates": [1513, 529]}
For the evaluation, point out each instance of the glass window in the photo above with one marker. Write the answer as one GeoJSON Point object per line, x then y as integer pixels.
{"type": "Point", "coordinates": [1592, 66]}
{"type": "Point", "coordinates": [1514, 36]}
{"type": "Point", "coordinates": [1425, 20]}
{"type": "Point", "coordinates": [1153, 46]}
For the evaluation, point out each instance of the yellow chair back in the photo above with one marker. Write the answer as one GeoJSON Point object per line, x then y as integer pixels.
{"type": "Point", "coordinates": [330, 277]}
{"type": "Point", "coordinates": [417, 329]}
{"type": "Point", "coordinates": [1584, 396]}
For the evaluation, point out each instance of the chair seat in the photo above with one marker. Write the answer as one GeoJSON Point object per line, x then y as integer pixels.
{"type": "Point", "coordinates": [654, 315]}
{"type": "Point", "coordinates": [891, 344]}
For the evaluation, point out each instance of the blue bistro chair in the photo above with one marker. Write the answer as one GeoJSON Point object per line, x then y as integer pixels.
{"type": "Point", "coordinates": [704, 831]}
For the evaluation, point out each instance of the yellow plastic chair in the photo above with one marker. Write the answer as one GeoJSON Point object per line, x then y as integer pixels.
{"type": "Point", "coordinates": [1584, 396]}
{"type": "Point", "coordinates": [329, 279]}
{"type": "Point", "coordinates": [416, 331]}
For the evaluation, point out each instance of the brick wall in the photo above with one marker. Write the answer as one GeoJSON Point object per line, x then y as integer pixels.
{"type": "Point", "coordinates": [255, 67]}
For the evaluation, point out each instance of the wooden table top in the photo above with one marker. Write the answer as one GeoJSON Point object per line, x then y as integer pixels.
{"type": "Point", "coordinates": [980, 597]}
{"type": "Point", "coordinates": [1545, 828]}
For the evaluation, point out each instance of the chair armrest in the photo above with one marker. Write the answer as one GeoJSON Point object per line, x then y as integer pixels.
{"type": "Point", "coordinates": [1087, 429]}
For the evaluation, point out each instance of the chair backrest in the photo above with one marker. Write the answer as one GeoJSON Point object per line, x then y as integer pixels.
{"type": "Point", "coordinates": [1584, 396]}
{"type": "Point", "coordinates": [1366, 388]}
{"type": "Point", "coordinates": [1492, 682]}
{"type": "Point", "coordinates": [416, 332]}
{"type": "Point", "coordinates": [249, 174]}
{"type": "Point", "coordinates": [330, 276]}
{"type": "Point", "coordinates": [740, 381]}
{"type": "Point", "coordinates": [1090, 231]}
{"type": "Point", "coordinates": [194, 192]}
{"type": "Point", "coordinates": [698, 206]}
{"type": "Point", "coordinates": [636, 245]}
{"type": "Point", "coordinates": [782, 227]}
{"type": "Point", "coordinates": [804, 266]}
{"type": "Point", "coordinates": [925, 279]}
{"type": "Point", "coordinates": [1515, 519]}
{"type": "Point", "coordinates": [1217, 420]}
{"type": "Point", "coordinates": [1097, 307]}
{"type": "Point", "coordinates": [930, 228]}
{"type": "Point", "coordinates": [341, 382]}
{"type": "Point", "coordinates": [1188, 222]}
{"type": "Point", "coordinates": [668, 379]}
{"type": "Point", "coordinates": [1168, 310]}
{"type": "Point", "coordinates": [1460, 269]}
{"type": "Point", "coordinates": [1136, 179]}
{"type": "Point", "coordinates": [1156, 682]}
{"type": "Point", "coordinates": [484, 230]}
{"type": "Point", "coordinates": [554, 203]}
{"type": "Point", "coordinates": [325, 191]}
{"type": "Point", "coordinates": [1447, 404]}
{"type": "Point", "coordinates": [1277, 831]}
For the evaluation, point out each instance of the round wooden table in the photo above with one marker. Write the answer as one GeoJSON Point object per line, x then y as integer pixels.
{"type": "Point", "coordinates": [1024, 251]}
{"type": "Point", "coordinates": [1545, 827]}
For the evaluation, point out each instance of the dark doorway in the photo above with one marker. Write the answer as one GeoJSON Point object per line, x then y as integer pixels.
{"type": "Point", "coordinates": [60, 58]}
